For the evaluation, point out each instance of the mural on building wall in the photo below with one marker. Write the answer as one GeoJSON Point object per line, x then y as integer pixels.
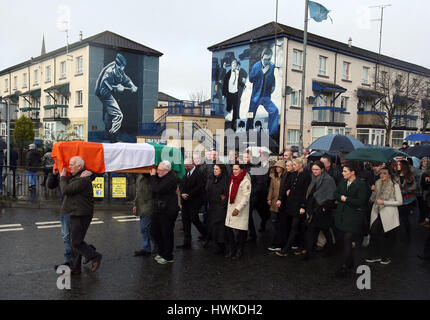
{"type": "Point", "coordinates": [117, 90]}
{"type": "Point", "coordinates": [247, 84]}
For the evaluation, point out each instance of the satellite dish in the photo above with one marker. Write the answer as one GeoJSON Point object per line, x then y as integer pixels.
{"type": "Point", "coordinates": [288, 90]}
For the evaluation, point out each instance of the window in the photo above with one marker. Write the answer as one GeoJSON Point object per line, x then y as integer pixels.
{"type": "Point", "coordinates": [79, 131]}
{"type": "Point", "coordinates": [48, 74]}
{"type": "Point", "coordinates": [3, 129]}
{"type": "Point", "coordinates": [79, 65]}
{"type": "Point", "coordinates": [322, 101]}
{"type": "Point", "coordinates": [293, 137]}
{"type": "Point", "coordinates": [297, 59]}
{"type": "Point", "coordinates": [365, 76]}
{"type": "Point", "coordinates": [36, 77]}
{"type": "Point", "coordinates": [78, 98]}
{"type": "Point", "coordinates": [363, 135]}
{"type": "Point", "coordinates": [49, 130]}
{"type": "Point", "coordinates": [63, 69]}
{"type": "Point", "coordinates": [24, 80]}
{"type": "Point", "coordinates": [383, 78]}
{"type": "Point", "coordinates": [6, 85]}
{"type": "Point", "coordinates": [63, 112]}
{"type": "Point", "coordinates": [414, 86]}
{"type": "Point", "coordinates": [344, 103]}
{"type": "Point", "coordinates": [48, 100]}
{"type": "Point", "coordinates": [346, 72]}
{"type": "Point", "coordinates": [396, 139]}
{"type": "Point", "coordinates": [323, 66]}
{"type": "Point", "coordinates": [36, 102]}
{"type": "Point", "coordinates": [295, 98]}
{"type": "Point", "coordinates": [335, 130]}
{"type": "Point", "coordinates": [15, 83]}
{"type": "Point", "coordinates": [317, 132]}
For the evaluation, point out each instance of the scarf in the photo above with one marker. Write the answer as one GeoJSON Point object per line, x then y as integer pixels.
{"type": "Point", "coordinates": [236, 182]}
{"type": "Point", "coordinates": [324, 188]}
{"type": "Point", "coordinates": [385, 190]}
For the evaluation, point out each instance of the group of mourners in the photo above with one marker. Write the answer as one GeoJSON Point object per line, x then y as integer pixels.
{"type": "Point", "coordinates": [313, 205]}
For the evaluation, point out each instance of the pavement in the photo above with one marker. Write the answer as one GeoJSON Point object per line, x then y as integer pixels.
{"type": "Point", "coordinates": [33, 245]}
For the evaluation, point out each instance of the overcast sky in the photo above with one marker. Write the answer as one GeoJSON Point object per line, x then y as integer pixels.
{"type": "Point", "coordinates": [183, 29]}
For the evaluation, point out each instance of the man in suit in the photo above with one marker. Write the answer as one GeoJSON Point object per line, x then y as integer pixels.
{"type": "Point", "coordinates": [263, 79]}
{"type": "Point", "coordinates": [191, 188]}
{"type": "Point", "coordinates": [233, 84]}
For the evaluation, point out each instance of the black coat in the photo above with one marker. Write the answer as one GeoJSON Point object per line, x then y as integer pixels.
{"type": "Point", "coordinates": [78, 195]}
{"type": "Point", "coordinates": [298, 188]}
{"type": "Point", "coordinates": [215, 188]}
{"type": "Point", "coordinates": [32, 160]}
{"type": "Point", "coordinates": [13, 157]}
{"type": "Point", "coordinates": [286, 181]}
{"type": "Point", "coordinates": [164, 197]}
{"type": "Point", "coordinates": [194, 187]}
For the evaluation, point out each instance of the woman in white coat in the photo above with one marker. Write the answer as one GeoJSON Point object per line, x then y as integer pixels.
{"type": "Point", "coordinates": [236, 220]}
{"type": "Point", "coordinates": [384, 218]}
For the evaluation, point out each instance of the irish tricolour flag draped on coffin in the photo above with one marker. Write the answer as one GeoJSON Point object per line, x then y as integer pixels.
{"type": "Point", "coordinates": [116, 157]}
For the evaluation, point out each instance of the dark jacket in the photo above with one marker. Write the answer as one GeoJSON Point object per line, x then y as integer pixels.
{"type": "Point", "coordinates": [217, 211]}
{"type": "Point", "coordinates": [349, 214]}
{"type": "Point", "coordinates": [164, 196]}
{"type": "Point", "coordinates": [143, 199]}
{"type": "Point", "coordinates": [260, 184]}
{"type": "Point", "coordinates": [297, 197]}
{"type": "Point", "coordinates": [194, 187]}
{"type": "Point", "coordinates": [32, 160]}
{"type": "Point", "coordinates": [286, 181]}
{"type": "Point", "coordinates": [13, 157]}
{"type": "Point", "coordinates": [336, 174]}
{"type": "Point", "coordinates": [77, 195]}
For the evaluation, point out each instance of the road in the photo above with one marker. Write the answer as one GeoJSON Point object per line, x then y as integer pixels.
{"type": "Point", "coordinates": [32, 245]}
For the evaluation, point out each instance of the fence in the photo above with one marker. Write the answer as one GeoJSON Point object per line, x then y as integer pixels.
{"type": "Point", "coordinates": [19, 187]}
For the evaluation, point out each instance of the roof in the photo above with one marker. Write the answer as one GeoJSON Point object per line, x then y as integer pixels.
{"type": "Point", "coordinates": [165, 97]}
{"type": "Point", "coordinates": [270, 29]}
{"type": "Point", "coordinates": [106, 39]}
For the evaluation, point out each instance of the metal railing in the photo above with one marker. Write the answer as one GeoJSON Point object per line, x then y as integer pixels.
{"type": "Point", "coordinates": [19, 186]}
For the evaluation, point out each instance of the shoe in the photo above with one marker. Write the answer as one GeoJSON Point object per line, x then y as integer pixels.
{"type": "Point", "coordinates": [423, 257]}
{"type": "Point", "coordinates": [374, 259]}
{"type": "Point", "coordinates": [299, 252]}
{"type": "Point", "coordinates": [85, 259]}
{"type": "Point", "coordinates": [281, 254]}
{"type": "Point", "coordinates": [63, 264]}
{"type": "Point", "coordinates": [294, 247]}
{"type": "Point", "coordinates": [366, 241]}
{"type": "Point", "coordinates": [96, 263]}
{"type": "Point", "coordinates": [385, 261]}
{"type": "Point", "coordinates": [141, 253]}
{"type": "Point", "coordinates": [342, 272]}
{"type": "Point", "coordinates": [157, 257]}
{"type": "Point", "coordinates": [274, 249]}
{"type": "Point", "coordinates": [162, 261]}
{"type": "Point", "coordinates": [184, 246]}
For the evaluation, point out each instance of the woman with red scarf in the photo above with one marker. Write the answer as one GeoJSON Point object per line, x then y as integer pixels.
{"type": "Point", "coordinates": [236, 220]}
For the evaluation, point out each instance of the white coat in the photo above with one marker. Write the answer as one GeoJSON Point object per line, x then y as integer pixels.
{"type": "Point", "coordinates": [389, 212]}
{"type": "Point", "coordinates": [241, 203]}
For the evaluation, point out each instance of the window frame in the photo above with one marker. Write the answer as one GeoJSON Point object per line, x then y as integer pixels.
{"type": "Point", "coordinates": [322, 58]}
{"type": "Point", "coordinates": [297, 53]}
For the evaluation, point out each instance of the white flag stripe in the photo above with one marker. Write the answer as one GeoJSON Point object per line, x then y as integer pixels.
{"type": "Point", "coordinates": [9, 225]}
{"type": "Point", "coordinates": [14, 229]}
{"type": "Point", "coordinates": [47, 222]}
{"type": "Point", "coordinates": [123, 217]}
{"type": "Point", "coordinates": [120, 156]}
{"type": "Point", "coordinates": [96, 222]}
{"type": "Point", "coordinates": [49, 226]}
{"type": "Point", "coordinates": [125, 220]}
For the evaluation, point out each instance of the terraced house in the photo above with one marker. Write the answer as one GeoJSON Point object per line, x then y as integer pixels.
{"type": "Point", "coordinates": [57, 90]}
{"type": "Point", "coordinates": [378, 99]}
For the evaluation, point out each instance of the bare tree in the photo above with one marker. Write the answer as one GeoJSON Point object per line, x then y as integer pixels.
{"type": "Point", "coordinates": [400, 95]}
{"type": "Point", "coordinates": [199, 96]}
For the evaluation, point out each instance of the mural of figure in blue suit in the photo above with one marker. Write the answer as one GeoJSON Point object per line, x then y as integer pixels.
{"type": "Point", "coordinates": [113, 79]}
{"type": "Point", "coordinates": [263, 79]}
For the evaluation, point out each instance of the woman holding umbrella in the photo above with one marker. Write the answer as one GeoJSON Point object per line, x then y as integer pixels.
{"type": "Point", "coordinates": [350, 195]}
{"type": "Point", "coordinates": [384, 218]}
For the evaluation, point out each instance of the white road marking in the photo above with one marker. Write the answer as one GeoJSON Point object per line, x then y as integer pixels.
{"type": "Point", "coordinates": [96, 222]}
{"type": "Point", "coordinates": [9, 225]}
{"type": "Point", "coordinates": [126, 220]}
{"type": "Point", "coordinates": [47, 222]}
{"type": "Point", "coordinates": [122, 217]}
{"type": "Point", "coordinates": [49, 226]}
{"type": "Point", "coordinates": [95, 219]}
{"type": "Point", "coordinates": [14, 229]}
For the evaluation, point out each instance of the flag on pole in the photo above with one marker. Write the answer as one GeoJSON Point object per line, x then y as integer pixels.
{"type": "Point", "coordinates": [318, 12]}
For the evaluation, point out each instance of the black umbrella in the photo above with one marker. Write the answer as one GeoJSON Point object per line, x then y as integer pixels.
{"type": "Point", "coordinates": [419, 151]}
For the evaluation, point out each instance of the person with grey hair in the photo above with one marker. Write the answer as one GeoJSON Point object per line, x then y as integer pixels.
{"type": "Point", "coordinates": [165, 210]}
{"type": "Point", "coordinates": [191, 189]}
{"type": "Point", "coordinates": [32, 159]}
{"type": "Point", "coordinates": [78, 203]}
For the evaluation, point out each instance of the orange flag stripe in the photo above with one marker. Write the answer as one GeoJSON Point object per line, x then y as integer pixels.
{"type": "Point", "coordinates": [91, 152]}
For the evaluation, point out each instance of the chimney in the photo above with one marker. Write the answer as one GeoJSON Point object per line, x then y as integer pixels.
{"type": "Point", "coordinates": [350, 42]}
{"type": "Point", "coordinates": [80, 35]}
